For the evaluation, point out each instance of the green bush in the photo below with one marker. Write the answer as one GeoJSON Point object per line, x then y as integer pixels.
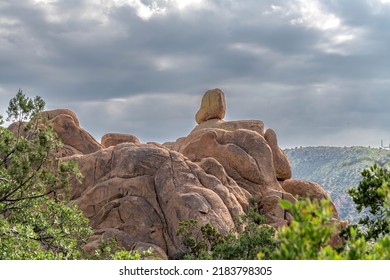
{"type": "Point", "coordinates": [205, 242]}
{"type": "Point", "coordinates": [308, 236]}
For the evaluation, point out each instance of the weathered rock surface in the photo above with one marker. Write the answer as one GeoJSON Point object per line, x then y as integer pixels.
{"type": "Point", "coordinates": [275, 215]}
{"type": "Point", "coordinates": [76, 140]}
{"type": "Point", "coordinates": [244, 154]}
{"type": "Point", "coordinates": [306, 189]}
{"type": "Point", "coordinates": [113, 139]}
{"type": "Point", "coordinates": [281, 162]}
{"type": "Point", "coordinates": [51, 114]}
{"type": "Point", "coordinates": [213, 106]}
{"type": "Point", "coordinates": [145, 191]}
{"type": "Point", "coordinates": [254, 125]}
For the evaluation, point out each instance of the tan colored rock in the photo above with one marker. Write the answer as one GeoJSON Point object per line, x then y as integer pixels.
{"type": "Point", "coordinates": [51, 114]}
{"type": "Point", "coordinates": [254, 125]}
{"type": "Point", "coordinates": [233, 193]}
{"type": "Point", "coordinates": [113, 139]}
{"type": "Point", "coordinates": [74, 136]}
{"type": "Point", "coordinates": [145, 191]}
{"type": "Point", "coordinates": [281, 162]}
{"type": "Point", "coordinates": [18, 128]}
{"type": "Point", "coordinates": [169, 145]}
{"type": "Point", "coordinates": [336, 240]}
{"type": "Point", "coordinates": [275, 215]}
{"type": "Point", "coordinates": [306, 189]}
{"type": "Point", "coordinates": [244, 154]}
{"type": "Point", "coordinates": [213, 106]}
{"type": "Point", "coordinates": [76, 140]}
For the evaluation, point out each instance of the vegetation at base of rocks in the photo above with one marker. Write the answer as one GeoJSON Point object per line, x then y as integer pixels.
{"type": "Point", "coordinates": [309, 234]}
{"type": "Point", "coordinates": [336, 169]}
{"type": "Point", "coordinates": [109, 249]}
{"type": "Point", "coordinates": [205, 242]}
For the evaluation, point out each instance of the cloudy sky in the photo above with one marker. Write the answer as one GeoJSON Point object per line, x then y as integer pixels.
{"type": "Point", "coordinates": [317, 72]}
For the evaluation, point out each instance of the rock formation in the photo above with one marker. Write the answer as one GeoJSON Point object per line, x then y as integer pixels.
{"type": "Point", "coordinates": [138, 193]}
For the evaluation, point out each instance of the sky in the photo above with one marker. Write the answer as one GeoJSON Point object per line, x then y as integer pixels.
{"type": "Point", "coordinates": [317, 72]}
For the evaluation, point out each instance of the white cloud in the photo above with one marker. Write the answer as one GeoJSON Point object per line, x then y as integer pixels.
{"type": "Point", "coordinates": [185, 4]}
{"type": "Point", "coordinates": [336, 36]}
{"type": "Point", "coordinates": [312, 14]}
{"type": "Point", "coordinates": [144, 11]}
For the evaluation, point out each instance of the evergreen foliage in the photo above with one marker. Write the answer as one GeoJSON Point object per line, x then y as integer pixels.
{"type": "Point", "coordinates": [371, 195]}
{"type": "Point", "coordinates": [205, 242]}
{"type": "Point", "coordinates": [35, 220]}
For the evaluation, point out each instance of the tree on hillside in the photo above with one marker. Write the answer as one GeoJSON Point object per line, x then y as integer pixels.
{"type": "Point", "coordinates": [35, 220]}
{"type": "Point", "coordinates": [371, 194]}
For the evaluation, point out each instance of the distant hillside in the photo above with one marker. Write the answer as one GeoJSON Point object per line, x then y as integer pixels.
{"type": "Point", "coordinates": [336, 169]}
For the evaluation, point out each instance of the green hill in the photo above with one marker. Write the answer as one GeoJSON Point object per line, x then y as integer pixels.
{"type": "Point", "coordinates": [336, 169]}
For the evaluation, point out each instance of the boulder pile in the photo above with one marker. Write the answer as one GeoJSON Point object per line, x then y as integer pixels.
{"type": "Point", "coordinates": [138, 193]}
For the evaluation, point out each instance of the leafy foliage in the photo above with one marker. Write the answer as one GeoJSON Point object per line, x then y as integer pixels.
{"type": "Point", "coordinates": [205, 242]}
{"type": "Point", "coordinates": [371, 194]}
{"type": "Point", "coordinates": [308, 236]}
{"type": "Point", "coordinates": [35, 220]}
{"type": "Point", "coordinates": [309, 232]}
{"type": "Point", "coordinates": [110, 250]}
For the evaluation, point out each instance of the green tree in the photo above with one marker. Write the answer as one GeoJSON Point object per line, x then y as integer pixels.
{"type": "Point", "coordinates": [309, 232]}
{"type": "Point", "coordinates": [36, 219]}
{"type": "Point", "coordinates": [205, 242]}
{"type": "Point", "coordinates": [308, 236]}
{"type": "Point", "coordinates": [371, 196]}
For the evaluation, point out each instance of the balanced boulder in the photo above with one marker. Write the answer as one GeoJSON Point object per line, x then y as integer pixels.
{"type": "Point", "coordinates": [213, 106]}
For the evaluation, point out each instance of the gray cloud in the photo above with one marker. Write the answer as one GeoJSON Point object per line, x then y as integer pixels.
{"type": "Point", "coordinates": [315, 72]}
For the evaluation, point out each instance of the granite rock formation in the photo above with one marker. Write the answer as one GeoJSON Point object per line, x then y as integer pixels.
{"type": "Point", "coordinates": [138, 193]}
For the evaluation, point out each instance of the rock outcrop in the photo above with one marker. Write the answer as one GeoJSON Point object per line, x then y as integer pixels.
{"type": "Point", "coordinates": [76, 140]}
{"type": "Point", "coordinates": [305, 189]}
{"type": "Point", "coordinates": [138, 193]}
{"type": "Point", "coordinates": [281, 162]}
{"type": "Point", "coordinates": [143, 192]}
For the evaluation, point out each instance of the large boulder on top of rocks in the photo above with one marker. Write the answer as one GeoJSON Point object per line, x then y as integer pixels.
{"type": "Point", "coordinates": [213, 106]}
{"type": "Point", "coordinates": [281, 162]}
{"type": "Point", "coordinates": [143, 191]}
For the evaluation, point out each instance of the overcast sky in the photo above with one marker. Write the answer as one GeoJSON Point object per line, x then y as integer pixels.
{"type": "Point", "coordinates": [317, 72]}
